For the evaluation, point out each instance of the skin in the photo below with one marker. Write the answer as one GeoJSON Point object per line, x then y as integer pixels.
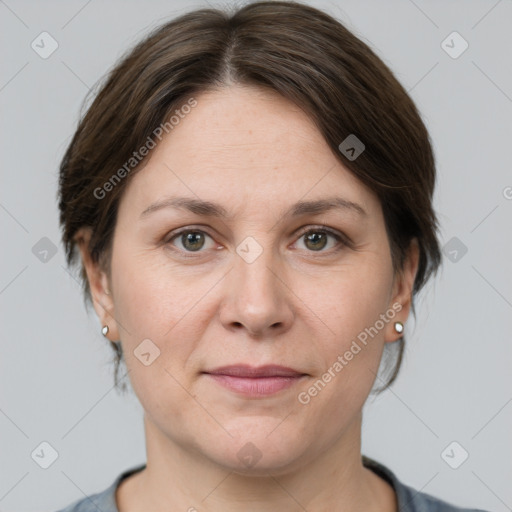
{"type": "Point", "coordinates": [256, 154]}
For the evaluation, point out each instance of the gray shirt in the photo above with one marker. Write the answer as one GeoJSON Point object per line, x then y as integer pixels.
{"type": "Point", "coordinates": [409, 500]}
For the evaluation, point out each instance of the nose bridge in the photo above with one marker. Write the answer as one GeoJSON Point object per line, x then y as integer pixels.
{"type": "Point", "coordinates": [254, 274]}
{"type": "Point", "coordinates": [256, 298]}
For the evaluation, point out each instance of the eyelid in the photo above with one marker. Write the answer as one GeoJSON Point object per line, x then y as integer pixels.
{"type": "Point", "coordinates": [319, 227]}
{"type": "Point", "coordinates": [185, 229]}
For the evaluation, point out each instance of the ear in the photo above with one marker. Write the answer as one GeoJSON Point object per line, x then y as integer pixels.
{"type": "Point", "coordinates": [102, 297]}
{"type": "Point", "coordinates": [402, 291]}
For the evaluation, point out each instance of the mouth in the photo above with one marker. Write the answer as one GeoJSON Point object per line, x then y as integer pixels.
{"type": "Point", "coordinates": [255, 381]}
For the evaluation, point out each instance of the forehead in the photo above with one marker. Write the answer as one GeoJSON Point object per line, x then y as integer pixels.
{"type": "Point", "coordinates": [242, 143]}
{"type": "Point", "coordinates": [250, 126]}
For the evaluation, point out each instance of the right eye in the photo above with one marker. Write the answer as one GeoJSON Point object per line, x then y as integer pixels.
{"type": "Point", "coordinates": [191, 240]}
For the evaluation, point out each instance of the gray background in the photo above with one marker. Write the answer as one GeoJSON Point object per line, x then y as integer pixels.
{"type": "Point", "coordinates": [455, 385]}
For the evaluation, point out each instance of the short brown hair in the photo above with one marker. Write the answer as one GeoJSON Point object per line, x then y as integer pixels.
{"type": "Point", "coordinates": [301, 53]}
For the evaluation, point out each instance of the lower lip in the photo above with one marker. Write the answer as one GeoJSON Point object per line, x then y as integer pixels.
{"type": "Point", "coordinates": [255, 386]}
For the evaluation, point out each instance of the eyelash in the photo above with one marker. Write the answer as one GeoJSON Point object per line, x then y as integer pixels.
{"type": "Point", "coordinates": [342, 241]}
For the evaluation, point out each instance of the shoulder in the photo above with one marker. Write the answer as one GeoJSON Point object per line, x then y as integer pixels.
{"type": "Point", "coordinates": [415, 501]}
{"type": "Point", "coordinates": [409, 499]}
{"type": "Point", "coordinates": [104, 501]}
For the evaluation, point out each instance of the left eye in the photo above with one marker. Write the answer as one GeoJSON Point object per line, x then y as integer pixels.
{"type": "Point", "coordinates": [318, 239]}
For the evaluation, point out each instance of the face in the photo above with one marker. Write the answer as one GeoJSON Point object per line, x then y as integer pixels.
{"type": "Point", "coordinates": [279, 292]}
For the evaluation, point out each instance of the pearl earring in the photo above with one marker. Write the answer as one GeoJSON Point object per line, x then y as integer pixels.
{"type": "Point", "coordinates": [104, 331]}
{"type": "Point", "coordinates": [399, 327]}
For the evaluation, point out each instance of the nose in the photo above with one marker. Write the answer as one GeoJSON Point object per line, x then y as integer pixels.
{"type": "Point", "coordinates": [256, 298]}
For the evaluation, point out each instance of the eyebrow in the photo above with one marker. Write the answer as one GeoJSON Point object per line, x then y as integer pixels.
{"type": "Point", "coordinates": [210, 209]}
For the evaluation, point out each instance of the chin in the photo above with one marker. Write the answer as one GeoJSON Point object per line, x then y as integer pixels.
{"type": "Point", "coordinates": [258, 448]}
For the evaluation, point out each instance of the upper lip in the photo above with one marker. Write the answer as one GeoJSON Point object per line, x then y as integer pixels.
{"type": "Point", "coordinates": [242, 370]}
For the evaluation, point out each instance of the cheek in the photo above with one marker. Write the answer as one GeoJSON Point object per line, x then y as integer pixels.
{"type": "Point", "coordinates": [158, 317]}
{"type": "Point", "coordinates": [153, 299]}
{"type": "Point", "coordinates": [351, 299]}
{"type": "Point", "coordinates": [163, 312]}
{"type": "Point", "coordinates": [351, 306]}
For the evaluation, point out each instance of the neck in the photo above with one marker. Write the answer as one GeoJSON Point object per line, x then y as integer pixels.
{"type": "Point", "coordinates": [180, 479]}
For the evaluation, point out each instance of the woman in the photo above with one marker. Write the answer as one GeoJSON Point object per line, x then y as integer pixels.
{"type": "Point", "coordinates": [250, 196]}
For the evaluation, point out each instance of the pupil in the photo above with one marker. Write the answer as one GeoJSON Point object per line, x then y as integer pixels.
{"type": "Point", "coordinates": [192, 239]}
{"type": "Point", "coordinates": [315, 237]}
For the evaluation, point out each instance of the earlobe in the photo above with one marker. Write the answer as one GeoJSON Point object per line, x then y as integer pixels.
{"type": "Point", "coordinates": [98, 285]}
{"type": "Point", "coordinates": [402, 292]}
